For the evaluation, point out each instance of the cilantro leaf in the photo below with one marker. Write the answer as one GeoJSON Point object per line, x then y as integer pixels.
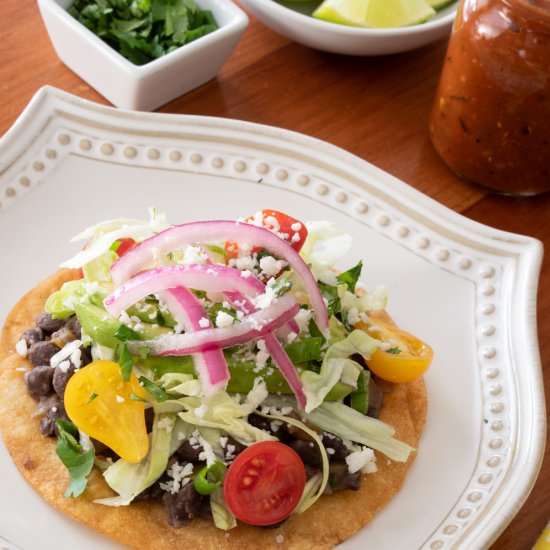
{"type": "Point", "coordinates": [161, 321]}
{"type": "Point", "coordinates": [70, 453]}
{"type": "Point", "coordinates": [125, 361]}
{"type": "Point", "coordinates": [144, 30]}
{"type": "Point", "coordinates": [124, 333]}
{"type": "Point", "coordinates": [330, 293]}
{"type": "Point", "coordinates": [158, 392]}
{"type": "Point", "coordinates": [351, 276]}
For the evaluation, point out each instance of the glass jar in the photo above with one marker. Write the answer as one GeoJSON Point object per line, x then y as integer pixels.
{"type": "Point", "coordinates": [491, 116]}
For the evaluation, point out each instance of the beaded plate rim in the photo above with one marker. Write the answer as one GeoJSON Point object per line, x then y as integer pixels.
{"type": "Point", "coordinates": [56, 125]}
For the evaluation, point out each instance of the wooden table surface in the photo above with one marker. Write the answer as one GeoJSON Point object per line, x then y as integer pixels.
{"type": "Point", "coordinates": [376, 108]}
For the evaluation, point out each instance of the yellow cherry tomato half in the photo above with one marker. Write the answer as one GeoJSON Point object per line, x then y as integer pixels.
{"type": "Point", "coordinates": [406, 359]}
{"type": "Point", "coordinates": [98, 401]}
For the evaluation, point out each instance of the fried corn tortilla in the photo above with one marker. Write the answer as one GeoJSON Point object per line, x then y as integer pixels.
{"type": "Point", "coordinates": [143, 525]}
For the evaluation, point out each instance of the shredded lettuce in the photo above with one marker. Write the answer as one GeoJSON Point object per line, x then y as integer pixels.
{"type": "Point", "coordinates": [337, 367]}
{"type": "Point", "coordinates": [223, 518]}
{"type": "Point", "coordinates": [63, 302]}
{"type": "Point", "coordinates": [102, 236]}
{"type": "Point", "coordinates": [371, 301]}
{"type": "Point", "coordinates": [129, 479]}
{"type": "Point", "coordinates": [324, 246]}
{"type": "Point", "coordinates": [99, 269]}
{"type": "Point", "coordinates": [221, 411]}
{"type": "Point", "coordinates": [179, 383]}
{"type": "Point", "coordinates": [348, 424]}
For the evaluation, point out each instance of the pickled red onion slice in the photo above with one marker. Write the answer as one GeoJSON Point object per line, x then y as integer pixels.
{"type": "Point", "coordinates": [252, 326]}
{"type": "Point", "coordinates": [211, 278]}
{"type": "Point", "coordinates": [278, 354]}
{"type": "Point", "coordinates": [179, 236]}
{"type": "Point", "coordinates": [287, 368]}
{"type": "Point", "coordinates": [210, 365]}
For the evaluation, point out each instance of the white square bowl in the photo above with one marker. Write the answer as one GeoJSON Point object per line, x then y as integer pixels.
{"type": "Point", "coordinates": [143, 87]}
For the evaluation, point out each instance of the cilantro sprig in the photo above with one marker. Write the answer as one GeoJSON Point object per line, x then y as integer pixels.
{"type": "Point", "coordinates": [143, 30]}
{"type": "Point", "coordinates": [69, 450]}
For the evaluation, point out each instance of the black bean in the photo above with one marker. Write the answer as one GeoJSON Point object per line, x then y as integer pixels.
{"type": "Point", "coordinates": [47, 323]}
{"type": "Point", "coordinates": [74, 325]}
{"type": "Point", "coordinates": [188, 452]}
{"type": "Point", "coordinates": [339, 479]}
{"type": "Point", "coordinates": [154, 492]}
{"type": "Point", "coordinates": [264, 424]}
{"type": "Point", "coordinates": [233, 448]}
{"type": "Point", "coordinates": [85, 356]}
{"type": "Point", "coordinates": [32, 336]}
{"type": "Point", "coordinates": [337, 445]}
{"type": "Point", "coordinates": [183, 506]}
{"type": "Point", "coordinates": [63, 336]}
{"type": "Point", "coordinates": [60, 379]}
{"type": "Point", "coordinates": [40, 353]}
{"type": "Point", "coordinates": [39, 381]}
{"type": "Point", "coordinates": [54, 411]}
{"type": "Point", "coordinates": [376, 399]}
{"type": "Point", "coordinates": [308, 451]}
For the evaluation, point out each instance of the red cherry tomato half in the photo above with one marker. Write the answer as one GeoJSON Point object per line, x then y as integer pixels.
{"type": "Point", "coordinates": [265, 483]}
{"type": "Point", "coordinates": [293, 231]}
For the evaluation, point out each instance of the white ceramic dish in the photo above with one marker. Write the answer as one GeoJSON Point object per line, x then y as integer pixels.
{"type": "Point", "coordinates": [467, 289]}
{"type": "Point", "coordinates": [342, 39]}
{"type": "Point", "coordinates": [143, 87]}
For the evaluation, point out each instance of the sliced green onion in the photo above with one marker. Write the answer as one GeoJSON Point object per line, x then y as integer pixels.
{"type": "Point", "coordinates": [210, 478]}
{"type": "Point", "coordinates": [308, 349]}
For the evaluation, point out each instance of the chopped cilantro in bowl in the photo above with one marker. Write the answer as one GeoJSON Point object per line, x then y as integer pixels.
{"type": "Point", "coordinates": [144, 30]}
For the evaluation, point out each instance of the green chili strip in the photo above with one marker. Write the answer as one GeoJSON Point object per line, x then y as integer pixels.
{"type": "Point", "coordinates": [359, 399]}
{"type": "Point", "coordinates": [210, 478]}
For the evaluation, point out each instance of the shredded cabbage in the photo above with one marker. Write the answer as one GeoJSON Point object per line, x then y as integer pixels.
{"type": "Point", "coordinates": [337, 367]}
{"type": "Point", "coordinates": [221, 411]}
{"type": "Point", "coordinates": [102, 236]}
{"type": "Point", "coordinates": [99, 269]}
{"type": "Point", "coordinates": [324, 246]}
{"type": "Point", "coordinates": [129, 479]}
{"type": "Point", "coordinates": [374, 300]}
{"type": "Point", "coordinates": [223, 518]}
{"type": "Point", "coordinates": [349, 424]}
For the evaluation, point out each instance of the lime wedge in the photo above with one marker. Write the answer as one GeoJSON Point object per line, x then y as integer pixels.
{"type": "Point", "coordinates": [375, 13]}
{"type": "Point", "coordinates": [345, 12]}
{"type": "Point", "coordinates": [397, 13]}
{"type": "Point", "coordinates": [439, 4]}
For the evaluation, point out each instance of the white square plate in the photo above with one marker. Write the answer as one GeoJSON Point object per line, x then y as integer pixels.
{"type": "Point", "coordinates": [467, 289]}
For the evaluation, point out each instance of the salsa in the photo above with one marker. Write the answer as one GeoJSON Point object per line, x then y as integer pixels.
{"type": "Point", "coordinates": [491, 116]}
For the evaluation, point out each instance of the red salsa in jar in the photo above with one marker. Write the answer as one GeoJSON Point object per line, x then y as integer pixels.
{"type": "Point", "coordinates": [491, 116]}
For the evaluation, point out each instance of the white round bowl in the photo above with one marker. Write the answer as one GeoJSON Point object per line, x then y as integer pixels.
{"type": "Point", "coordinates": [343, 39]}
